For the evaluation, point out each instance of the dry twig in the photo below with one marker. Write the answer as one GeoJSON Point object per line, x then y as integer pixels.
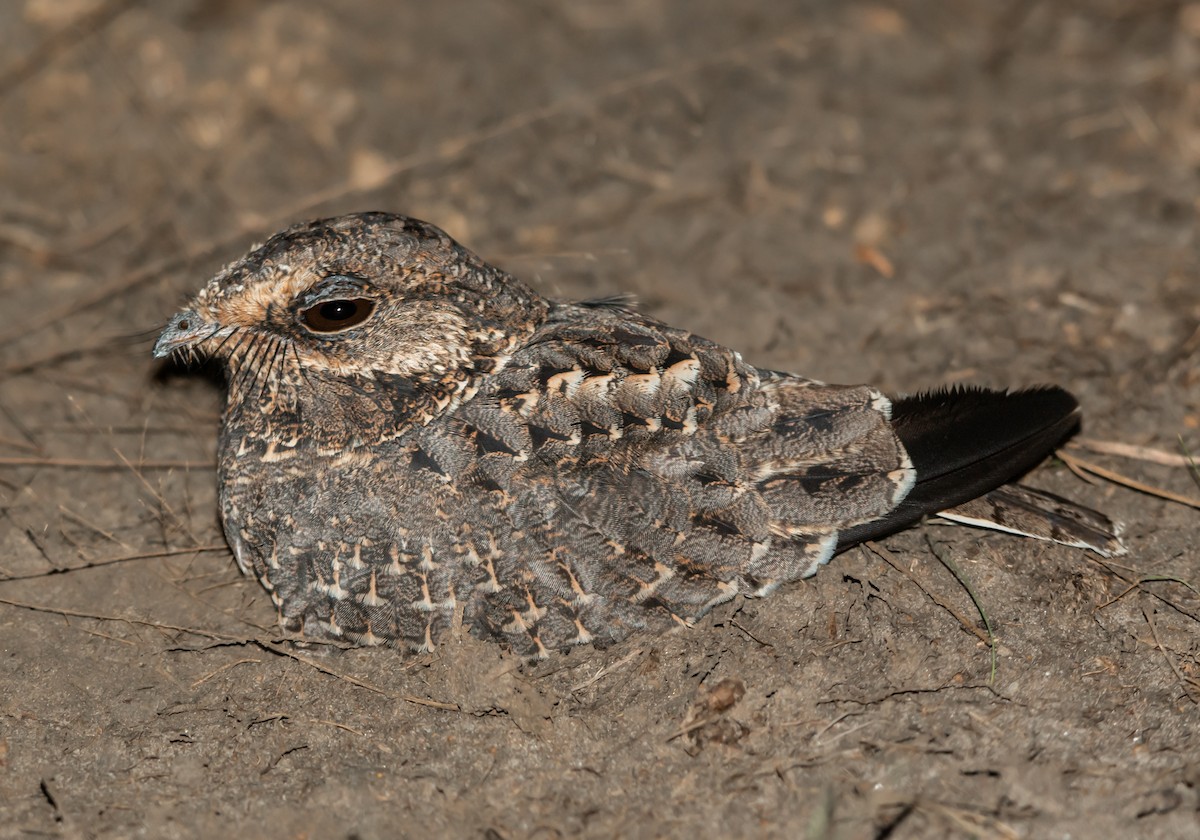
{"type": "Point", "coordinates": [1129, 450]}
{"type": "Point", "coordinates": [1125, 481]}
{"type": "Point", "coordinates": [226, 638]}
{"type": "Point", "coordinates": [1183, 681]}
{"type": "Point", "coordinates": [893, 561]}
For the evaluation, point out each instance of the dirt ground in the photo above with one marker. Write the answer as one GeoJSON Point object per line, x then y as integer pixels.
{"type": "Point", "coordinates": [909, 194]}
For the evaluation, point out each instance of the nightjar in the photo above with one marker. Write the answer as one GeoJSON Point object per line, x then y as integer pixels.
{"type": "Point", "coordinates": [414, 438]}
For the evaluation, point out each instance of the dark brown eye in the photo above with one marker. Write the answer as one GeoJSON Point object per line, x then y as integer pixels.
{"type": "Point", "coordinates": [337, 315]}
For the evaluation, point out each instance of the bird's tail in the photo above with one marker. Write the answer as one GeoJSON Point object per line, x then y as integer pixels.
{"type": "Point", "coordinates": [965, 443]}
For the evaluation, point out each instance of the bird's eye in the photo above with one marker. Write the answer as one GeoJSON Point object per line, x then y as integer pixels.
{"type": "Point", "coordinates": [337, 315]}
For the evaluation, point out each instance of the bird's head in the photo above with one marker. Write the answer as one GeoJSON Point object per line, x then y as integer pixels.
{"type": "Point", "coordinates": [369, 305]}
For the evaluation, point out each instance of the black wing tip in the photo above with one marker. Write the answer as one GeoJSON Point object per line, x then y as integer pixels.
{"type": "Point", "coordinates": [966, 441]}
{"type": "Point", "coordinates": [948, 429]}
{"type": "Point", "coordinates": [1048, 399]}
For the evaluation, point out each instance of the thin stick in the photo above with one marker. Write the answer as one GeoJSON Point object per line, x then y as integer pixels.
{"type": "Point", "coordinates": [1183, 682]}
{"type": "Point", "coordinates": [336, 725]}
{"type": "Point", "coordinates": [891, 559]}
{"type": "Point", "coordinates": [606, 670]}
{"type": "Point", "coordinates": [324, 669]}
{"type": "Point", "coordinates": [1129, 450]}
{"type": "Point", "coordinates": [141, 622]}
{"type": "Point", "coordinates": [110, 561]}
{"type": "Point", "coordinates": [1126, 481]}
{"type": "Point", "coordinates": [108, 535]}
{"type": "Point", "coordinates": [948, 562]}
{"type": "Point", "coordinates": [1193, 469]}
{"type": "Point", "coordinates": [1140, 583]}
{"type": "Point", "coordinates": [224, 667]}
{"type": "Point", "coordinates": [18, 444]}
{"type": "Point", "coordinates": [165, 505]}
{"type": "Point", "coordinates": [239, 640]}
{"type": "Point", "coordinates": [85, 464]}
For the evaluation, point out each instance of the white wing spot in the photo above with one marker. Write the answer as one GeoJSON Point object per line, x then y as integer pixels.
{"type": "Point", "coordinates": [881, 404]}
{"type": "Point", "coordinates": [904, 478]}
{"type": "Point", "coordinates": [684, 372]}
{"type": "Point", "coordinates": [567, 382]}
{"type": "Point", "coordinates": [824, 551]}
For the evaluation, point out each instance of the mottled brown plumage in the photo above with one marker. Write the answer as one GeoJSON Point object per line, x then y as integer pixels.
{"type": "Point", "coordinates": [413, 437]}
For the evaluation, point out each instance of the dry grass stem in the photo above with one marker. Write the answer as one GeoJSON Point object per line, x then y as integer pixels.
{"type": "Point", "coordinates": [1125, 481]}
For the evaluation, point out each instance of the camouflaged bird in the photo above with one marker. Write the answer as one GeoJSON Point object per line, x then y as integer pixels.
{"type": "Point", "coordinates": [414, 438]}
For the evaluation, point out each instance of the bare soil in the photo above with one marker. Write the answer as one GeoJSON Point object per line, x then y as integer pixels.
{"type": "Point", "coordinates": [911, 194]}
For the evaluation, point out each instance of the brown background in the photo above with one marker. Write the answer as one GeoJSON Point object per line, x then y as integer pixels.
{"type": "Point", "coordinates": [910, 194]}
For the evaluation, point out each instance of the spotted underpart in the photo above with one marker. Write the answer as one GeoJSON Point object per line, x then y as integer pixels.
{"type": "Point", "coordinates": [547, 474]}
{"type": "Point", "coordinates": [614, 475]}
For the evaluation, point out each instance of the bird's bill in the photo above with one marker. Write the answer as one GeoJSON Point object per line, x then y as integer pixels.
{"type": "Point", "coordinates": [186, 329]}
